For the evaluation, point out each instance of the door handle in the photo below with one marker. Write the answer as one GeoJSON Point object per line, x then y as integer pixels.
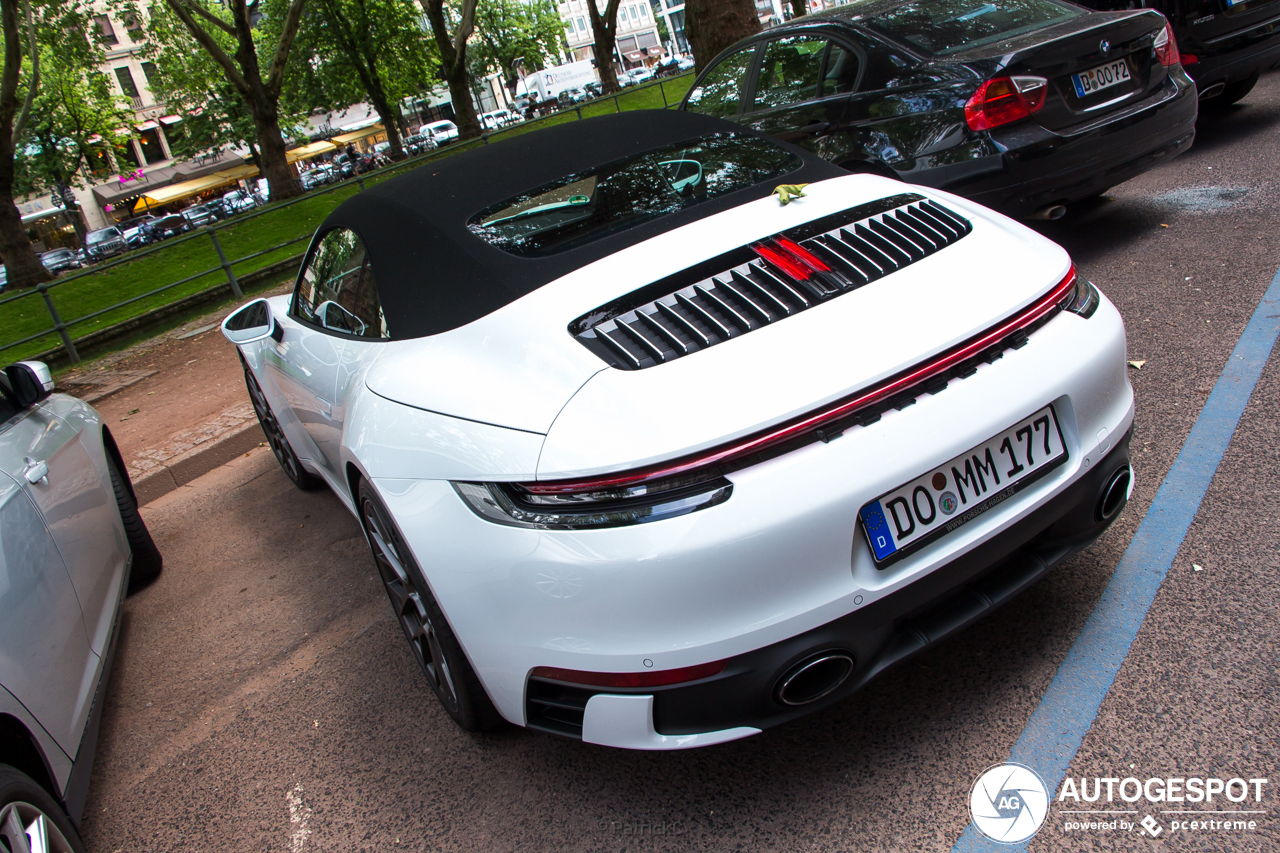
{"type": "Point", "coordinates": [36, 472]}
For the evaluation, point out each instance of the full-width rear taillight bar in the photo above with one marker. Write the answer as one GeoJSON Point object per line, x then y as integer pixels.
{"type": "Point", "coordinates": [1050, 302]}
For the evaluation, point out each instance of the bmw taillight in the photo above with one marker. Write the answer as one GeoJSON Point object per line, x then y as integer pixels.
{"type": "Point", "coordinates": [1002, 100]}
{"type": "Point", "coordinates": [1166, 47]}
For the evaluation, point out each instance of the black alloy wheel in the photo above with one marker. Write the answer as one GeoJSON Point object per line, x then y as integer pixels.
{"type": "Point", "coordinates": [301, 477]}
{"type": "Point", "coordinates": [434, 646]}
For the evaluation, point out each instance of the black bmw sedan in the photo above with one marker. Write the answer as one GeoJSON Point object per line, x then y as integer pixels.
{"type": "Point", "coordinates": [1022, 105]}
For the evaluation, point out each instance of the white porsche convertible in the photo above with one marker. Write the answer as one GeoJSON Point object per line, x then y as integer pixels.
{"type": "Point", "coordinates": [650, 458]}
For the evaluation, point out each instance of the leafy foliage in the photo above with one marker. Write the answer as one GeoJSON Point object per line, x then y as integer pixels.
{"type": "Point", "coordinates": [358, 49]}
{"type": "Point", "coordinates": [511, 30]}
{"type": "Point", "coordinates": [75, 112]}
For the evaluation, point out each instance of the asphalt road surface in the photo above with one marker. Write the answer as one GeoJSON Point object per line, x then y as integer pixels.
{"type": "Point", "coordinates": [264, 699]}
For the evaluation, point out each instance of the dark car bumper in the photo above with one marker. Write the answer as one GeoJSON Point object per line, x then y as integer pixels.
{"type": "Point", "coordinates": [1237, 56]}
{"type": "Point", "coordinates": [878, 636]}
{"type": "Point", "coordinates": [1041, 168]}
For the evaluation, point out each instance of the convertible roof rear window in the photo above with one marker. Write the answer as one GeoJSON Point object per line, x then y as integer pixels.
{"type": "Point", "coordinates": [940, 27]}
{"type": "Point", "coordinates": [587, 206]}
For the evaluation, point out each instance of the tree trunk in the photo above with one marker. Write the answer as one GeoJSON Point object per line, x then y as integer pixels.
{"type": "Point", "coordinates": [272, 162]}
{"type": "Point", "coordinates": [799, 8]}
{"type": "Point", "coordinates": [21, 261]}
{"type": "Point", "coordinates": [24, 267]}
{"type": "Point", "coordinates": [604, 29]}
{"type": "Point", "coordinates": [453, 62]}
{"type": "Point", "coordinates": [464, 109]}
{"type": "Point", "coordinates": [390, 120]}
{"type": "Point", "coordinates": [713, 25]}
{"type": "Point", "coordinates": [604, 63]}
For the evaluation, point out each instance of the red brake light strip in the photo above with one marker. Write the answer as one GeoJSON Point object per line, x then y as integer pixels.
{"type": "Point", "coordinates": [811, 422]}
{"type": "Point", "coordinates": [792, 266]}
{"type": "Point", "coordinates": [631, 679]}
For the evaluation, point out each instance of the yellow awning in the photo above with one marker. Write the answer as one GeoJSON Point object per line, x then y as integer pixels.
{"type": "Point", "coordinates": [186, 189]}
{"type": "Point", "coordinates": [306, 152]}
{"type": "Point", "coordinates": [362, 133]}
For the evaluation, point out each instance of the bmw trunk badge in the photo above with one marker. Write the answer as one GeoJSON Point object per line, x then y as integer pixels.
{"type": "Point", "coordinates": [1105, 46]}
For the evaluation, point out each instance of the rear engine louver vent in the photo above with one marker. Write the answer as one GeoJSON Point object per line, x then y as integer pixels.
{"type": "Point", "coordinates": [772, 279]}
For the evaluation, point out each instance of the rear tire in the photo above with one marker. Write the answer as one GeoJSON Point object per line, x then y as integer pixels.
{"type": "Point", "coordinates": [28, 810]}
{"type": "Point", "coordinates": [278, 441]}
{"type": "Point", "coordinates": [434, 645]}
{"type": "Point", "coordinates": [147, 560]}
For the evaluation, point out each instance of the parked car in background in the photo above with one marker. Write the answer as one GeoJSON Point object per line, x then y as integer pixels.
{"type": "Point", "coordinates": [1224, 44]}
{"type": "Point", "coordinates": [198, 216]}
{"type": "Point", "coordinates": [81, 257]}
{"type": "Point", "coordinates": [215, 207]}
{"type": "Point", "coordinates": [166, 226]}
{"type": "Point", "coordinates": [685, 63]}
{"type": "Point", "coordinates": [59, 260]}
{"type": "Point", "coordinates": [74, 545]}
{"type": "Point", "coordinates": [104, 243]}
{"type": "Point", "coordinates": [238, 201]}
{"type": "Point", "coordinates": [625, 79]}
{"type": "Point", "coordinates": [641, 74]}
{"type": "Point", "coordinates": [498, 119]}
{"type": "Point", "coordinates": [419, 142]}
{"type": "Point", "coordinates": [4, 277]}
{"type": "Point", "coordinates": [441, 131]}
{"type": "Point", "coordinates": [1023, 105]}
{"type": "Point", "coordinates": [131, 228]}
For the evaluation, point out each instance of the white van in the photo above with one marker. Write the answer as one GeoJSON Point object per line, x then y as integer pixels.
{"type": "Point", "coordinates": [441, 131]}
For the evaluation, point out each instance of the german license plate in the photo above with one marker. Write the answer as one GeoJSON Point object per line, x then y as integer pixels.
{"type": "Point", "coordinates": [1102, 77]}
{"type": "Point", "coordinates": [958, 491]}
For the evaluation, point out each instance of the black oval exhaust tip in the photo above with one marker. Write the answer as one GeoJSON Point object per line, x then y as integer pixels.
{"type": "Point", "coordinates": [1115, 494]}
{"type": "Point", "coordinates": [814, 677]}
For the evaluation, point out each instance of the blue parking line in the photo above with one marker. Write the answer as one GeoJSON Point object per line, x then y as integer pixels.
{"type": "Point", "coordinates": [1066, 712]}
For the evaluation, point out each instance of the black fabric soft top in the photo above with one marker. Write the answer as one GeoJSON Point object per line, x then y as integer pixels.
{"type": "Point", "coordinates": [434, 275]}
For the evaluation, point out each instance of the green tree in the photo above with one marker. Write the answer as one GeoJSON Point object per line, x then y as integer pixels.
{"type": "Point", "coordinates": [451, 29]}
{"type": "Point", "coordinates": [360, 49]}
{"type": "Point", "coordinates": [232, 35]}
{"type": "Point", "coordinates": [33, 30]}
{"type": "Point", "coordinates": [193, 85]}
{"type": "Point", "coordinates": [73, 122]}
{"type": "Point", "coordinates": [508, 31]}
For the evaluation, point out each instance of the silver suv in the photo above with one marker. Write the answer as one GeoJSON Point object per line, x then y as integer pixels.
{"type": "Point", "coordinates": [72, 543]}
{"type": "Point", "coordinates": [104, 243]}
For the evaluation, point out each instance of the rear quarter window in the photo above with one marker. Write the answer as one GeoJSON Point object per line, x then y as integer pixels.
{"type": "Point", "coordinates": [940, 27]}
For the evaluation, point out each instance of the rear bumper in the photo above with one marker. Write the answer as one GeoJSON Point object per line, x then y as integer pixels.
{"type": "Point", "coordinates": [1042, 167]}
{"type": "Point", "coordinates": [1236, 58]}
{"type": "Point", "coordinates": [741, 700]}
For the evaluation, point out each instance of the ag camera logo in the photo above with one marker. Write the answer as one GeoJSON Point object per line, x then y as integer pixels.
{"type": "Point", "coordinates": [1009, 803]}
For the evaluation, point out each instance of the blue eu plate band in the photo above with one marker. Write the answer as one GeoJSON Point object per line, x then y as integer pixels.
{"type": "Point", "coordinates": [1066, 712]}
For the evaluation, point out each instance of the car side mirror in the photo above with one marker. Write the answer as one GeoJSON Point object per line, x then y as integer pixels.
{"type": "Point", "coordinates": [251, 323]}
{"type": "Point", "coordinates": [31, 382]}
